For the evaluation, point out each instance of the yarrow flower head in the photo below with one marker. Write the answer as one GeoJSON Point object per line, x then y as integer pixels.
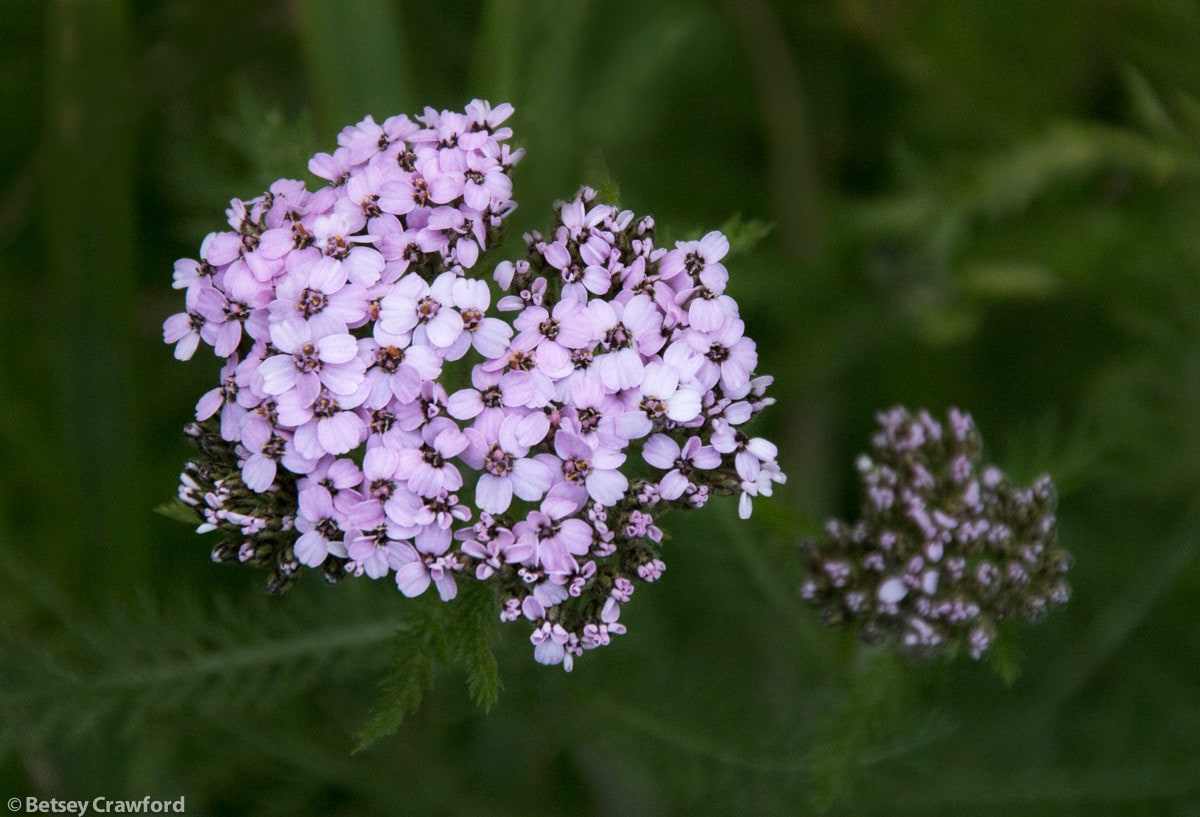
{"type": "Point", "coordinates": [945, 548]}
{"type": "Point", "coordinates": [375, 418]}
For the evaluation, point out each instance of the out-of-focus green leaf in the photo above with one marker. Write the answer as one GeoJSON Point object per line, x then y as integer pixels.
{"type": "Point", "coordinates": [1004, 281]}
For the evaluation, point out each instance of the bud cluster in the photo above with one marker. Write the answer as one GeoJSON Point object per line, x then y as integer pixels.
{"type": "Point", "coordinates": [945, 549]}
{"type": "Point", "coordinates": [340, 440]}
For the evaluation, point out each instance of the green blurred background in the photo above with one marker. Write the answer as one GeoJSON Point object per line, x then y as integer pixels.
{"type": "Point", "coordinates": [994, 205]}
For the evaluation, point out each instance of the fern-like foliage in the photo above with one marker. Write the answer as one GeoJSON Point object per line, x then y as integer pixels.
{"type": "Point", "coordinates": [117, 670]}
{"type": "Point", "coordinates": [436, 634]}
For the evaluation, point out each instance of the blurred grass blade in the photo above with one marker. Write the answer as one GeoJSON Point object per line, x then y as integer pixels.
{"type": "Point", "coordinates": [356, 61]}
{"type": "Point", "coordinates": [86, 214]}
{"type": "Point", "coordinates": [494, 70]}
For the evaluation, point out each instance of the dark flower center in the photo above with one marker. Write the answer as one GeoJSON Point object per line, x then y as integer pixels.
{"type": "Point", "coordinates": [389, 358]}
{"type": "Point", "coordinates": [654, 407]}
{"type": "Point", "coordinates": [336, 247]}
{"type": "Point", "coordinates": [420, 191]}
{"type": "Point", "coordinates": [274, 447]}
{"type": "Point", "coordinates": [382, 489]}
{"type": "Point", "coordinates": [311, 302]}
{"type": "Point", "coordinates": [521, 361]}
{"type": "Point", "coordinates": [589, 418]}
{"type": "Point", "coordinates": [237, 311]}
{"type": "Point", "coordinates": [301, 237]}
{"type": "Point", "coordinates": [618, 337]}
{"type": "Point", "coordinates": [498, 462]}
{"type": "Point", "coordinates": [576, 469]}
{"type": "Point", "coordinates": [427, 308]}
{"type": "Point", "coordinates": [306, 359]}
{"type": "Point", "coordinates": [325, 407]}
{"type": "Point", "coordinates": [382, 421]}
{"type": "Point", "coordinates": [491, 397]}
{"type": "Point", "coordinates": [432, 456]}
{"type": "Point", "coordinates": [581, 358]}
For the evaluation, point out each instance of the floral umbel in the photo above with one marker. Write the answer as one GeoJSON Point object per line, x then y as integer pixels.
{"type": "Point", "coordinates": [945, 548]}
{"type": "Point", "coordinates": [378, 415]}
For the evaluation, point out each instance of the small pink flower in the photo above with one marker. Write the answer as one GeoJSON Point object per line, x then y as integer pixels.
{"type": "Point", "coordinates": [426, 561]}
{"type": "Point", "coordinates": [591, 469]}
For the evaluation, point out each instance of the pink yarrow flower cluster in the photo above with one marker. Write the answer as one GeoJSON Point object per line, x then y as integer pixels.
{"type": "Point", "coordinates": [376, 417]}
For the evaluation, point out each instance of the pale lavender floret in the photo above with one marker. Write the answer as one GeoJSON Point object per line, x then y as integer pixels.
{"type": "Point", "coordinates": [426, 311]}
{"type": "Point", "coordinates": [265, 447]}
{"type": "Point", "coordinates": [596, 414]}
{"type": "Point", "coordinates": [523, 382]}
{"type": "Point", "coordinates": [334, 167]}
{"type": "Point", "coordinates": [318, 293]}
{"type": "Point", "coordinates": [555, 534]}
{"type": "Point", "coordinates": [751, 454]}
{"type": "Point", "coordinates": [397, 371]}
{"type": "Point", "coordinates": [444, 326]}
{"type": "Point", "coordinates": [729, 356]}
{"type": "Point", "coordinates": [221, 249]}
{"type": "Point", "coordinates": [553, 645]}
{"type": "Point", "coordinates": [707, 311]}
{"type": "Point", "coordinates": [379, 488]}
{"type": "Point", "coordinates": [661, 395]}
{"type": "Point", "coordinates": [330, 425]}
{"type": "Point", "coordinates": [762, 485]}
{"type": "Point", "coordinates": [699, 260]}
{"type": "Point", "coordinates": [591, 469]}
{"type": "Point", "coordinates": [489, 336]}
{"type": "Point", "coordinates": [224, 399]}
{"type": "Point", "coordinates": [318, 526]}
{"type": "Point", "coordinates": [309, 362]}
{"type": "Point", "coordinates": [398, 313]}
{"type": "Point", "coordinates": [191, 273]}
{"type": "Point", "coordinates": [339, 476]}
{"type": "Point", "coordinates": [498, 451]}
{"type": "Point", "coordinates": [487, 397]}
{"type": "Point", "coordinates": [223, 319]}
{"type": "Point", "coordinates": [253, 283]}
{"type": "Point", "coordinates": [641, 525]}
{"type": "Point", "coordinates": [428, 467]}
{"type": "Point", "coordinates": [443, 174]}
{"type": "Point", "coordinates": [453, 235]}
{"type": "Point", "coordinates": [663, 452]}
{"type": "Point", "coordinates": [486, 184]}
{"type": "Point", "coordinates": [429, 405]}
{"type": "Point", "coordinates": [502, 549]}
{"type": "Point", "coordinates": [400, 195]}
{"type": "Point", "coordinates": [183, 329]}
{"type": "Point", "coordinates": [443, 510]}
{"type": "Point", "coordinates": [629, 333]}
{"type": "Point", "coordinates": [370, 550]}
{"type": "Point", "coordinates": [566, 327]}
{"type": "Point", "coordinates": [588, 273]}
{"type": "Point", "coordinates": [426, 561]}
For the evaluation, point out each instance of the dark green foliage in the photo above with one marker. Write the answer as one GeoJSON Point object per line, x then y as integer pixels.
{"type": "Point", "coordinates": [149, 660]}
{"type": "Point", "coordinates": [433, 635]}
